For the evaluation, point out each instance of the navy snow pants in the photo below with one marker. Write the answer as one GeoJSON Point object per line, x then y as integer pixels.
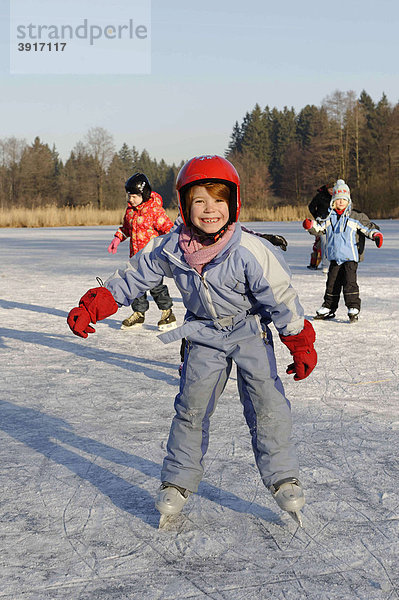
{"type": "Point", "coordinates": [161, 296]}
{"type": "Point", "coordinates": [342, 277]}
{"type": "Point", "coordinates": [266, 409]}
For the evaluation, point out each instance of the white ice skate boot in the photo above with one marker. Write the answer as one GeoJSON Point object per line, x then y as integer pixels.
{"type": "Point", "coordinates": [135, 321]}
{"type": "Point", "coordinates": [324, 313]}
{"type": "Point", "coordinates": [170, 501]}
{"type": "Point", "coordinates": [353, 314]}
{"type": "Point", "coordinates": [288, 494]}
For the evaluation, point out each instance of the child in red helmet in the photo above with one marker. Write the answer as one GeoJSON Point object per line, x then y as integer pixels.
{"type": "Point", "coordinates": [144, 220]}
{"type": "Point", "coordinates": [233, 284]}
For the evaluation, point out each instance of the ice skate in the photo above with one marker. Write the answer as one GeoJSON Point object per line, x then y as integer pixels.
{"type": "Point", "coordinates": [288, 494]}
{"type": "Point", "coordinates": [170, 501]}
{"type": "Point", "coordinates": [353, 314]}
{"type": "Point", "coordinates": [323, 313]}
{"type": "Point", "coordinates": [167, 321]}
{"type": "Point", "coordinates": [135, 321]}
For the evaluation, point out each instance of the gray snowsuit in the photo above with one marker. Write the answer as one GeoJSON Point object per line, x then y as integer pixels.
{"type": "Point", "coordinates": [229, 305]}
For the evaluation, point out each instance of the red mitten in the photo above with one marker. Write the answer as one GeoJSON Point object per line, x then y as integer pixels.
{"type": "Point", "coordinates": [97, 304]}
{"type": "Point", "coordinates": [79, 322]}
{"type": "Point", "coordinates": [378, 238]}
{"type": "Point", "coordinates": [303, 353]}
{"type": "Point", "coordinates": [307, 224]}
{"type": "Point", "coordinates": [113, 247]}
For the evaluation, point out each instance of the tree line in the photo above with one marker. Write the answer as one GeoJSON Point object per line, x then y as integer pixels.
{"type": "Point", "coordinates": [282, 156]}
{"type": "Point", "coordinates": [93, 175]}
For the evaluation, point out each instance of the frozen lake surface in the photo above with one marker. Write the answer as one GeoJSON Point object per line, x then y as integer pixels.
{"type": "Point", "coordinates": [84, 424]}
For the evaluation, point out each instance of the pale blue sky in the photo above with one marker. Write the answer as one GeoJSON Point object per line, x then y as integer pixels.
{"type": "Point", "coordinates": [211, 62]}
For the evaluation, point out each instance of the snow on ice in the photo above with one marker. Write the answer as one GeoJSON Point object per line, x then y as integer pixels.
{"type": "Point", "coordinates": [84, 425]}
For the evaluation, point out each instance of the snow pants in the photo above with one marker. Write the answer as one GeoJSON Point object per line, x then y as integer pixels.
{"type": "Point", "coordinates": [342, 277]}
{"type": "Point", "coordinates": [161, 296]}
{"type": "Point", "coordinates": [323, 248]}
{"type": "Point", "coordinates": [267, 411]}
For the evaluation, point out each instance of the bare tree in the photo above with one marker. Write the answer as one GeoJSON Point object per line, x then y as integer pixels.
{"type": "Point", "coordinates": [100, 145]}
{"type": "Point", "coordinates": [340, 107]}
{"type": "Point", "coordinates": [11, 150]}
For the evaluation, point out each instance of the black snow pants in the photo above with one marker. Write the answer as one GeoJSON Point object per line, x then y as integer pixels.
{"type": "Point", "coordinates": [342, 277]}
{"type": "Point", "coordinates": [161, 296]}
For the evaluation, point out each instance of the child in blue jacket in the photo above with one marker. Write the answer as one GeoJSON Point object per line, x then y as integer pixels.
{"type": "Point", "coordinates": [232, 284]}
{"type": "Point", "coordinates": [341, 228]}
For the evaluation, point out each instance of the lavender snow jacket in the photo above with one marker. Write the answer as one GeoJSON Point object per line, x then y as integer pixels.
{"type": "Point", "coordinates": [248, 277]}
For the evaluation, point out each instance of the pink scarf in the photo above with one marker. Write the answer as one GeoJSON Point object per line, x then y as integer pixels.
{"type": "Point", "coordinates": [197, 253]}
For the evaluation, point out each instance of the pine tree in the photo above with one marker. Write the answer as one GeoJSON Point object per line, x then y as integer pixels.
{"type": "Point", "coordinates": [283, 134]}
{"type": "Point", "coordinates": [79, 179]}
{"type": "Point", "coordinates": [256, 136]}
{"type": "Point", "coordinates": [235, 143]}
{"type": "Point", "coordinates": [114, 185]}
{"type": "Point", "coordinates": [39, 174]}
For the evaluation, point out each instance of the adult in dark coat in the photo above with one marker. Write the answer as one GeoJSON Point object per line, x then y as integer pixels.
{"type": "Point", "coordinates": [318, 208]}
{"type": "Point", "coordinates": [320, 204]}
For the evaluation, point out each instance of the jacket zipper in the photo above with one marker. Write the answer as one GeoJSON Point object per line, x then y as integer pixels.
{"type": "Point", "coordinates": [208, 296]}
{"type": "Point", "coordinates": [202, 278]}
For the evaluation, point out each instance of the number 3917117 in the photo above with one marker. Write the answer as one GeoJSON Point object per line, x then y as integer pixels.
{"type": "Point", "coordinates": [42, 47]}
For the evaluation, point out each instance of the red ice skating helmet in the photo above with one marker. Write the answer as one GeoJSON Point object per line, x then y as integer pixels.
{"type": "Point", "coordinates": [213, 168]}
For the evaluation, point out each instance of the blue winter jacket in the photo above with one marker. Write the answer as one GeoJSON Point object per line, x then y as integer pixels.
{"type": "Point", "coordinates": [342, 233]}
{"type": "Point", "coordinates": [248, 277]}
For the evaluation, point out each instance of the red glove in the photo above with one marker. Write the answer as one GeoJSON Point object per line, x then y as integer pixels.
{"type": "Point", "coordinates": [97, 304]}
{"type": "Point", "coordinates": [307, 224]}
{"type": "Point", "coordinates": [112, 248]}
{"type": "Point", "coordinates": [378, 238]}
{"type": "Point", "coordinates": [301, 348]}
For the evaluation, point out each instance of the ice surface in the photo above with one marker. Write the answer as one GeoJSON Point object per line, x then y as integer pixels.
{"type": "Point", "coordinates": [84, 425]}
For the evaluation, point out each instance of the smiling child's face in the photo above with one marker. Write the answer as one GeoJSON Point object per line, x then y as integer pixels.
{"type": "Point", "coordinates": [208, 213]}
{"type": "Point", "coordinates": [340, 203]}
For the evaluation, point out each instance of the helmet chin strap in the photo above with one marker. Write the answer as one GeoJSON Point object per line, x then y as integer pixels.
{"type": "Point", "coordinates": [214, 237]}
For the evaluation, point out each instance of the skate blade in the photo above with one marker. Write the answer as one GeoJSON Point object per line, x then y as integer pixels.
{"type": "Point", "coordinates": [131, 327]}
{"type": "Point", "coordinates": [297, 516]}
{"type": "Point", "coordinates": [167, 522]}
{"type": "Point", "coordinates": [323, 318]}
{"type": "Point", "coordinates": [167, 327]}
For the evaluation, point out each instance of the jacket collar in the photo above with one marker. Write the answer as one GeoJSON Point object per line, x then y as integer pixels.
{"type": "Point", "coordinates": [173, 250]}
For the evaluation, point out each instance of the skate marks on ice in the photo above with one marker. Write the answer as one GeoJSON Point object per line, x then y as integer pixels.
{"type": "Point", "coordinates": [78, 516]}
{"type": "Point", "coordinates": [326, 558]}
{"type": "Point", "coordinates": [286, 563]}
{"type": "Point", "coordinates": [251, 549]}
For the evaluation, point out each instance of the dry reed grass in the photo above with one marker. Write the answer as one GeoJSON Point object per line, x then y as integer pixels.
{"type": "Point", "coordinates": [54, 216]}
